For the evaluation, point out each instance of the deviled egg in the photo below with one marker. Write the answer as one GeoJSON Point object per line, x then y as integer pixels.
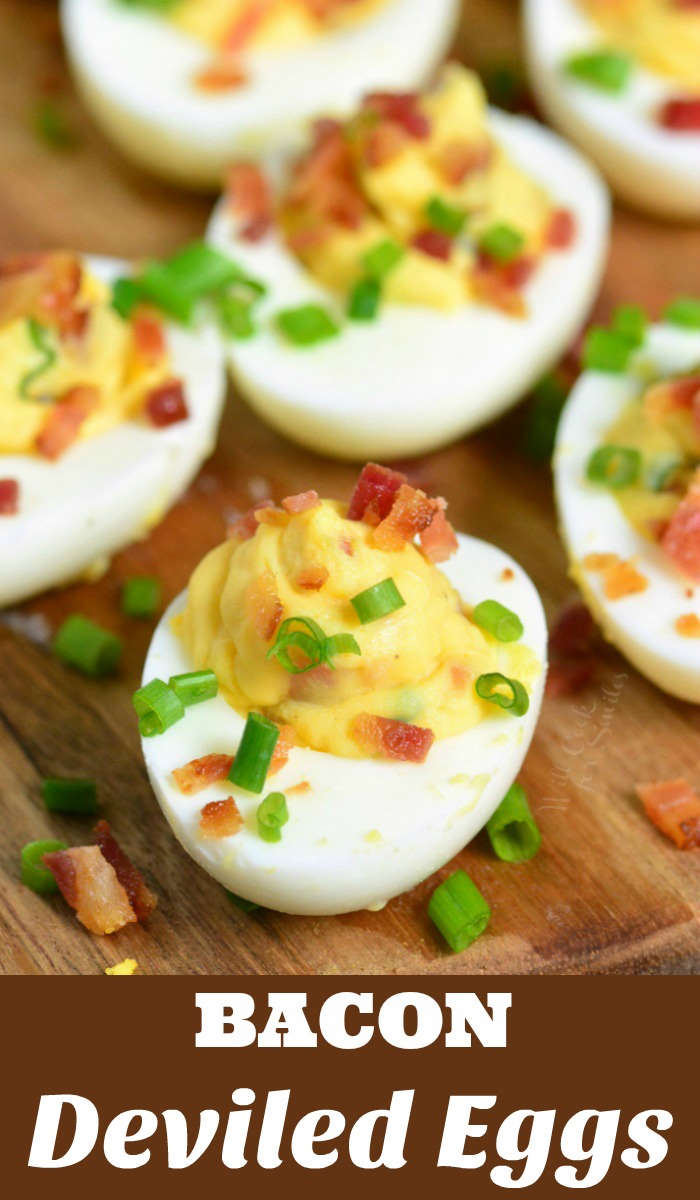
{"type": "Point", "coordinates": [183, 86]}
{"type": "Point", "coordinates": [628, 490]}
{"type": "Point", "coordinates": [623, 81]}
{"type": "Point", "coordinates": [104, 418]}
{"type": "Point", "coordinates": [426, 262]}
{"type": "Point", "coordinates": [369, 708]}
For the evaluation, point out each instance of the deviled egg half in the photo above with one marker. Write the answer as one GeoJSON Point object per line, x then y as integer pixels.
{"type": "Point", "coordinates": [182, 86]}
{"type": "Point", "coordinates": [425, 262]}
{"type": "Point", "coordinates": [628, 489]}
{"type": "Point", "coordinates": [105, 418]}
{"type": "Point", "coordinates": [370, 708]}
{"type": "Point", "coordinates": [622, 80]}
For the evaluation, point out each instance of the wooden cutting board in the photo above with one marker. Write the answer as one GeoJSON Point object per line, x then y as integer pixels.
{"type": "Point", "coordinates": [606, 894]}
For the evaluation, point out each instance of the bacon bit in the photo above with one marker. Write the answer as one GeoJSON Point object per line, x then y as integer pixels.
{"type": "Point", "coordinates": [263, 605]}
{"type": "Point", "coordinates": [681, 540]}
{"type": "Point", "coordinates": [374, 494]}
{"type": "Point", "coordinates": [573, 633]}
{"type": "Point", "coordinates": [324, 182]}
{"type": "Point", "coordinates": [674, 808]}
{"type": "Point", "coordinates": [401, 108]}
{"type": "Point", "coordinates": [312, 579]}
{"type": "Point", "coordinates": [562, 230]}
{"type": "Point", "coordinates": [301, 503]}
{"type": "Point", "coordinates": [73, 325]}
{"type": "Point", "coordinates": [223, 74]}
{"type": "Point", "coordinates": [507, 575]}
{"type": "Point", "coordinates": [249, 197]}
{"type": "Point", "coordinates": [198, 774]}
{"type": "Point", "coordinates": [286, 742]}
{"type": "Point", "coordinates": [411, 513]}
{"type": "Point", "coordinates": [220, 819]}
{"type": "Point", "coordinates": [299, 788]}
{"type": "Point", "coordinates": [458, 160]}
{"type": "Point", "coordinates": [519, 272]}
{"type": "Point", "coordinates": [622, 580]}
{"type": "Point", "coordinates": [392, 739]}
{"type": "Point", "coordinates": [64, 420]}
{"type": "Point", "coordinates": [140, 896]}
{"type": "Point", "coordinates": [90, 885]}
{"type": "Point", "coordinates": [312, 685]}
{"type": "Point", "coordinates": [681, 114]}
{"type": "Point", "coordinates": [460, 676]}
{"type": "Point", "coordinates": [670, 396]}
{"type": "Point", "coordinates": [246, 526]}
{"type": "Point", "coordinates": [9, 497]}
{"type": "Point", "coordinates": [149, 337]}
{"type": "Point", "coordinates": [384, 143]}
{"type": "Point", "coordinates": [166, 404]}
{"type": "Point", "coordinates": [439, 540]}
{"type": "Point", "coordinates": [600, 562]}
{"type": "Point", "coordinates": [688, 625]}
{"type": "Point", "coordinates": [566, 678]}
{"type": "Point", "coordinates": [41, 285]}
{"type": "Point", "coordinates": [244, 28]}
{"type": "Point", "coordinates": [433, 243]}
{"type": "Point", "coordinates": [269, 514]}
{"type": "Point", "coordinates": [490, 285]}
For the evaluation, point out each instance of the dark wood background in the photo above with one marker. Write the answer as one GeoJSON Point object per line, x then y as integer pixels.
{"type": "Point", "coordinates": [606, 894]}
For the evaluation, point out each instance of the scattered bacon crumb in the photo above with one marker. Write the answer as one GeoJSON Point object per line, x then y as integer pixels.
{"type": "Point", "coordinates": [674, 808]}
{"type": "Point", "coordinates": [688, 625]}
{"type": "Point", "coordinates": [140, 896]}
{"type": "Point", "coordinates": [220, 819]}
{"type": "Point", "coordinates": [9, 497]}
{"type": "Point", "coordinates": [149, 337]}
{"type": "Point", "coordinates": [222, 74]}
{"type": "Point", "coordinates": [392, 739]}
{"type": "Point", "coordinates": [263, 605]}
{"type": "Point", "coordinates": [312, 579]}
{"type": "Point", "coordinates": [439, 540]}
{"type": "Point", "coordinates": [491, 285]}
{"type": "Point", "coordinates": [90, 885]}
{"type": "Point", "coordinates": [561, 231]}
{"type": "Point", "coordinates": [249, 197]}
{"type": "Point", "coordinates": [64, 420]}
{"type": "Point", "coordinates": [507, 575]}
{"type": "Point", "coordinates": [301, 503]}
{"type": "Point", "coordinates": [458, 160]}
{"type": "Point", "coordinates": [433, 243]}
{"type": "Point", "coordinates": [460, 676]}
{"type": "Point", "coordinates": [166, 404]}
{"type": "Point", "coordinates": [384, 143]}
{"type": "Point", "coordinates": [670, 395]}
{"type": "Point", "coordinates": [73, 325]}
{"type": "Point", "coordinates": [198, 774]}
{"type": "Point", "coordinates": [622, 580]}
{"type": "Point", "coordinates": [681, 114]}
{"type": "Point", "coordinates": [43, 285]}
{"type": "Point", "coordinates": [411, 513]}
{"type": "Point", "coordinates": [681, 541]}
{"type": "Point", "coordinates": [402, 108]}
{"type": "Point", "coordinates": [299, 788]}
{"type": "Point", "coordinates": [246, 526]}
{"type": "Point", "coordinates": [285, 744]}
{"type": "Point", "coordinates": [374, 494]}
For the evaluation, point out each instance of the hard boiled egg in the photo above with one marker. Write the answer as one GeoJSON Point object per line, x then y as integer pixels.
{"type": "Point", "coordinates": [137, 73]}
{"type": "Point", "coordinates": [649, 165]}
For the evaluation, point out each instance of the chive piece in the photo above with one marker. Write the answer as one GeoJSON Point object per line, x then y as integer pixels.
{"type": "Point", "coordinates": [363, 304]}
{"type": "Point", "coordinates": [661, 471]}
{"type": "Point", "coordinates": [498, 620]}
{"type": "Point", "coordinates": [501, 242]}
{"type": "Point", "coordinates": [514, 698]}
{"type": "Point", "coordinates": [199, 269]}
{"type": "Point", "coordinates": [459, 911]}
{"type": "Point", "coordinates": [382, 259]}
{"type": "Point", "coordinates": [512, 829]}
{"type": "Point", "coordinates": [631, 321]}
{"type": "Point", "coordinates": [86, 646]}
{"type": "Point", "coordinates": [309, 639]}
{"type": "Point", "coordinates": [607, 350]}
{"type": "Point", "coordinates": [340, 643]}
{"type": "Point", "coordinates": [51, 125]}
{"type": "Point", "coordinates": [548, 400]}
{"type": "Point", "coordinates": [246, 906]}
{"type": "Point", "coordinates": [33, 873]}
{"type": "Point", "coordinates": [684, 311]}
{"type": "Point", "coordinates": [377, 602]}
{"type": "Point", "coordinates": [307, 325]}
{"type": "Point", "coordinates": [41, 340]}
{"type": "Point", "coordinates": [126, 294]}
{"type": "Point", "coordinates": [605, 69]}
{"type": "Point", "coordinates": [194, 687]}
{"type": "Point", "coordinates": [272, 814]}
{"type": "Point", "coordinates": [70, 795]}
{"type": "Point", "coordinates": [252, 761]}
{"type": "Point", "coordinates": [445, 217]}
{"type": "Point", "coordinates": [235, 315]}
{"type": "Point", "coordinates": [141, 597]}
{"type": "Point", "coordinates": [157, 708]}
{"type": "Point", "coordinates": [614, 466]}
{"type": "Point", "coordinates": [156, 285]}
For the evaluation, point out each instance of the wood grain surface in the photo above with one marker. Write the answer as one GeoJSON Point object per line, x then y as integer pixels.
{"type": "Point", "coordinates": [606, 894]}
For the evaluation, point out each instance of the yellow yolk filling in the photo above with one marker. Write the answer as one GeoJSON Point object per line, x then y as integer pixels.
{"type": "Point", "coordinates": [418, 664]}
{"type": "Point", "coordinates": [284, 23]}
{"type": "Point", "coordinates": [662, 34]}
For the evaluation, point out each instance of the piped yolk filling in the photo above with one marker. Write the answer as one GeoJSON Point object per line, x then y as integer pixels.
{"type": "Point", "coordinates": [664, 35]}
{"type": "Point", "coordinates": [237, 25]}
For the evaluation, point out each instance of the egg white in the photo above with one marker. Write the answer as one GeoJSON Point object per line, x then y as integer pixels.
{"type": "Point", "coordinates": [416, 377]}
{"type": "Point", "coordinates": [367, 830]}
{"type": "Point", "coordinates": [135, 72]}
{"type": "Point", "coordinates": [109, 490]}
{"type": "Point", "coordinates": [648, 166]}
{"type": "Point", "coordinates": [641, 625]}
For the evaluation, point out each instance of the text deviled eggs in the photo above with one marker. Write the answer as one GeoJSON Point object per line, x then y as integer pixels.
{"type": "Point", "coordinates": [623, 81]}
{"type": "Point", "coordinates": [182, 86]}
{"type": "Point", "coordinates": [373, 708]}
{"type": "Point", "coordinates": [628, 490]}
{"type": "Point", "coordinates": [104, 417]}
{"type": "Point", "coordinates": [426, 262]}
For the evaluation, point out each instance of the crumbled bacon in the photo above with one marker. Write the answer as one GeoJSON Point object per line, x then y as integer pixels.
{"type": "Point", "coordinates": [246, 526]}
{"type": "Point", "coordinates": [411, 513]}
{"type": "Point", "coordinates": [402, 108]}
{"type": "Point", "coordinates": [491, 285]}
{"type": "Point", "coordinates": [246, 25]}
{"type": "Point", "coordinates": [284, 745]}
{"type": "Point", "coordinates": [9, 497]}
{"type": "Point", "coordinates": [439, 540]}
{"type": "Point", "coordinates": [140, 896]}
{"type": "Point", "coordinates": [44, 286]}
{"type": "Point", "coordinates": [91, 886]}
{"type": "Point", "coordinates": [263, 605]}
{"type": "Point", "coordinates": [458, 160]}
{"type": "Point", "coordinates": [674, 808]}
{"type": "Point", "coordinates": [623, 579]}
{"type": "Point", "coordinates": [681, 541]}
{"type": "Point", "coordinates": [149, 337]}
{"type": "Point", "coordinates": [249, 198]}
{"type": "Point", "coordinates": [299, 788]}
{"type": "Point", "coordinates": [383, 143]}
{"type": "Point", "coordinates": [374, 494]}
{"type": "Point", "coordinates": [74, 324]}
{"type": "Point", "coordinates": [166, 404]}
{"type": "Point", "coordinates": [433, 243]}
{"type": "Point", "coordinates": [220, 819]}
{"type": "Point", "coordinates": [312, 579]}
{"type": "Point", "coordinates": [222, 74]}
{"type": "Point", "coordinates": [392, 739]}
{"type": "Point", "coordinates": [65, 419]}
{"type": "Point", "coordinates": [681, 114]}
{"type": "Point", "coordinates": [198, 774]}
{"type": "Point", "coordinates": [301, 503]}
{"type": "Point", "coordinates": [671, 395]}
{"type": "Point", "coordinates": [561, 230]}
{"type": "Point", "coordinates": [324, 182]}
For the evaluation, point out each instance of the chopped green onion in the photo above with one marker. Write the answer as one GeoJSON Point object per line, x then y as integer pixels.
{"type": "Point", "coordinates": [502, 242]}
{"type": "Point", "coordinates": [614, 466]}
{"type": "Point", "coordinates": [42, 341]}
{"type": "Point", "coordinates": [253, 757]}
{"type": "Point", "coordinates": [86, 646]}
{"type": "Point", "coordinates": [661, 471]}
{"type": "Point", "coordinates": [157, 708]}
{"type": "Point", "coordinates": [377, 602]}
{"type": "Point", "coordinates": [548, 399]}
{"type": "Point", "coordinates": [196, 271]}
{"type": "Point", "coordinates": [310, 639]}
{"type": "Point", "coordinates": [506, 693]}
{"type": "Point", "coordinates": [236, 317]}
{"type": "Point", "coordinates": [607, 350]}
{"type": "Point", "coordinates": [498, 620]}
{"type": "Point", "coordinates": [34, 874]}
{"type": "Point", "coordinates": [246, 906]}
{"type": "Point", "coordinates": [459, 911]}
{"type": "Point", "coordinates": [155, 284]}
{"type": "Point", "coordinates": [141, 597]}
{"type": "Point", "coordinates": [126, 294]}
{"type": "Point", "coordinates": [307, 325]}
{"type": "Point", "coordinates": [365, 297]}
{"type": "Point", "coordinates": [340, 643]}
{"type": "Point", "coordinates": [505, 84]}
{"type": "Point", "coordinates": [684, 311]}
{"type": "Point", "coordinates": [194, 687]}
{"type": "Point", "coordinates": [631, 321]}
{"type": "Point", "coordinates": [512, 829]}
{"type": "Point", "coordinates": [70, 795]}
{"type": "Point", "coordinates": [605, 69]}
{"type": "Point", "coordinates": [51, 125]}
{"type": "Point", "coordinates": [445, 217]}
{"type": "Point", "coordinates": [382, 259]}
{"type": "Point", "coordinates": [272, 814]}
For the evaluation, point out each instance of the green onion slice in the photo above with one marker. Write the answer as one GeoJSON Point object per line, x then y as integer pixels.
{"type": "Point", "coordinates": [194, 687]}
{"type": "Point", "coordinates": [86, 646]}
{"type": "Point", "coordinates": [631, 321]}
{"type": "Point", "coordinates": [365, 297]}
{"type": "Point", "coordinates": [307, 325]}
{"type": "Point", "coordinates": [512, 829]}
{"type": "Point", "coordinates": [684, 311]}
{"type": "Point", "coordinates": [502, 242]}
{"type": "Point", "coordinates": [614, 466]}
{"type": "Point", "coordinates": [246, 906]}
{"type": "Point", "coordinates": [340, 643]}
{"type": "Point", "coordinates": [662, 471]}
{"type": "Point", "coordinates": [445, 217]}
{"type": "Point", "coordinates": [310, 639]}
{"type": "Point", "coordinates": [236, 316]}
{"type": "Point", "coordinates": [70, 795]}
{"type": "Point", "coordinates": [506, 693]}
{"type": "Point", "coordinates": [377, 602]}
{"type": "Point", "coordinates": [607, 350]}
{"type": "Point", "coordinates": [272, 814]}
{"type": "Point", "coordinates": [157, 708]}
{"type": "Point", "coordinates": [42, 341]}
{"type": "Point", "coordinates": [141, 597]}
{"type": "Point", "coordinates": [33, 873]}
{"type": "Point", "coordinates": [607, 70]}
{"type": "Point", "coordinates": [382, 259]}
{"type": "Point", "coordinates": [253, 757]}
{"type": "Point", "coordinates": [459, 911]}
{"type": "Point", "coordinates": [498, 620]}
{"type": "Point", "coordinates": [126, 294]}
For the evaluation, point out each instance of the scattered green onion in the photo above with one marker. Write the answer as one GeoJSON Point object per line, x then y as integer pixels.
{"type": "Point", "coordinates": [304, 634]}
{"type": "Point", "coordinates": [157, 708]}
{"type": "Point", "coordinates": [459, 911]}
{"type": "Point", "coordinates": [512, 829]}
{"type": "Point", "coordinates": [198, 270]}
{"type": "Point", "coordinates": [51, 125]}
{"type": "Point", "coordinates": [340, 643]}
{"type": "Point", "coordinates": [86, 646]}
{"type": "Point", "coordinates": [194, 687]}
{"type": "Point", "coordinates": [126, 294]}
{"type": "Point", "coordinates": [661, 471]}
{"type": "Point", "coordinates": [307, 325]}
{"type": "Point", "coordinates": [498, 620]}
{"type": "Point", "coordinates": [614, 466]}
{"type": "Point", "coordinates": [70, 795]}
{"type": "Point", "coordinates": [631, 321]}
{"type": "Point", "coordinates": [236, 316]}
{"type": "Point", "coordinates": [506, 693]}
{"type": "Point", "coordinates": [605, 69]}
{"type": "Point", "coordinates": [607, 350]}
{"type": "Point", "coordinates": [246, 906]}
{"type": "Point", "coordinates": [253, 757]}
{"type": "Point", "coordinates": [547, 402]}
{"type": "Point", "coordinates": [272, 814]}
{"type": "Point", "coordinates": [377, 602]}
{"type": "Point", "coordinates": [34, 874]}
{"type": "Point", "coordinates": [141, 597]}
{"type": "Point", "coordinates": [42, 341]}
{"type": "Point", "coordinates": [363, 304]}
{"type": "Point", "coordinates": [382, 259]}
{"type": "Point", "coordinates": [684, 311]}
{"type": "Point", "coordinates": [501, 242]}
{"type": "Point", "coordinates": [445, 217]}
